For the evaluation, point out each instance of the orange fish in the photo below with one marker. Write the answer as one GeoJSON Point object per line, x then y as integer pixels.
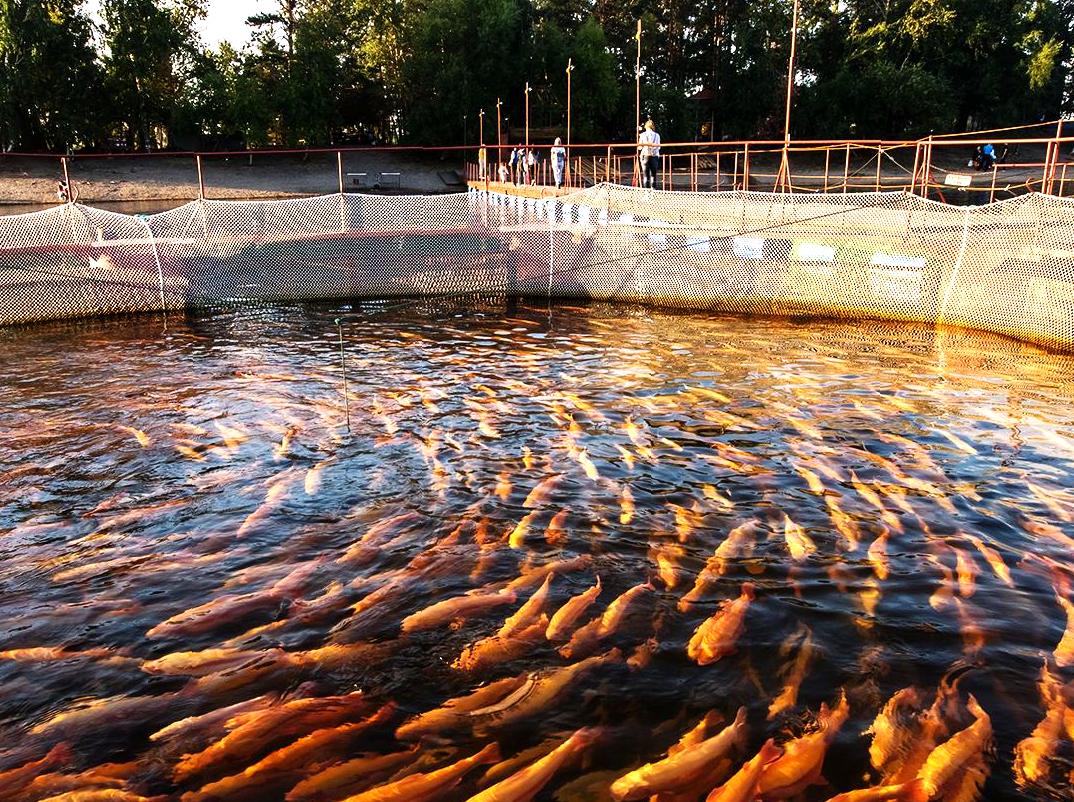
{"type": "Point", "coordinates": [1033, 754]}
{"type": "Point", "coordinates": [913, 791]}
{"type": "Point", "coordinates": [799, 544]}
{"type": "Point", "coordinates": [795, 672]}
{"type": "Point", "coordinates": [682, 768]}
{"type": "Point", "coordinates": [716, 636]}
{"type": "Point", "coordinates": [457, 713]}
{"type": "Point", "coordinates": [802, 759]}
{"type": "Point", "coordinates": [525, 784]}
{"type": "Point", "coordinates": [426, 786]}
{"type": "Point", "coordinates": [473, 603]}
{"type": "Point", "coordinates": [350, 777]}
{"type": "Point", "coordinates": [564, 619]}
{"type": "Point", "coordinates": [555, 534]}
{"type": "Point", "coordinates": [743, 786]}
{"type": "Point", "coordinates": [965, 746]}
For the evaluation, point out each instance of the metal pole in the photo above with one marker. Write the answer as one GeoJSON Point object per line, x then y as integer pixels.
{"type": "Point", "coordinates": [846, 170]}
{"type": "Point", "coordinates": [746, 167]}
{"type": "Point", "coordinates": [879, 156]}
{"type": "Point", "coordinates": [527, 119]}
{"type": "Point", "coordinates": [481, 128]}
{"type": "Point", "coordinates": [201, 178]}
{"type": "Point", "coordinates": [499, 140]}
{"type": "Point", "coordinates": [67, 181]}
{"type": "Point", "coordinates": [637, 85]}
{"type": "Point", "coordinates": [827, 166]}
{"type": "Point", "coordinates": [784, 168]}
{"type": "Point", "coordinates": [339, 160]}
{"type": "Point", "coordinates": [567, 161]}
{"type": "Point", "coordinates": [917, 160]}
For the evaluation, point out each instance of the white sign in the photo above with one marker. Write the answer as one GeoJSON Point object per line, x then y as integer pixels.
{"type": "Point", "coordinates": [748, 247]}
{"type": "Point", "coordinates": [958, 180]}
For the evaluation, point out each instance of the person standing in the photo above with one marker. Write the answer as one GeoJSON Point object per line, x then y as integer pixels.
{"type": "Point", "coordinates": [559, 161]}
{"type": "Point", "coordinates": [516, 168]}
{"type": "Point", "coordinates": [649, 154]}
{"type": "Point", "coordinates": [531, 166]}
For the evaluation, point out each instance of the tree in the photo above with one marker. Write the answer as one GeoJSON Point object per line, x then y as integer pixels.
{"type": "Point", "coordinates": [50, 82]}
{"type": "Point", "coordinates": [149, 46]}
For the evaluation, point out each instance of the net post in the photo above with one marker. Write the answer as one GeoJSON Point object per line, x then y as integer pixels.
{"type": "Point", "coordinates": [879, 158]}
{"type": "Point", "coordinates": [992, 189]}
{"type": "Point", "coordinates": [201, 177]}
{"type": "Point", "coordinates": [827, 166]}
{"type": "Point", "coordinates": [339, 165]}
{"type": "Point", "coordinates": [746, 168]}
{"type": "Point", "coordinates": [67, 181]}
{"type": "Point", "coordinates": [917, 164]}
{"type": "Point", "coordinates": [608, 166]}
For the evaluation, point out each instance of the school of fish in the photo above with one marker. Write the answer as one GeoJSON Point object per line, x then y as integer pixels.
{"type": "Point", "coordinates": [566, 553]}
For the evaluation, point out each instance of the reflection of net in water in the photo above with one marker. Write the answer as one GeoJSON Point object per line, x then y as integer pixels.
{"type": "Point", "coordinates": [227, 557]}
{"type": "Point", "coordinates": [1006, 267]}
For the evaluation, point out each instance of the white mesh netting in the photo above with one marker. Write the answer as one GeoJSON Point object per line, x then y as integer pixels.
{"type": "Point", "coordinates": [1007, 267]}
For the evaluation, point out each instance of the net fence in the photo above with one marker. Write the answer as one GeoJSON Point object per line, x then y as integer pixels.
{"type": "Point", "coordinates": [1007, 267]}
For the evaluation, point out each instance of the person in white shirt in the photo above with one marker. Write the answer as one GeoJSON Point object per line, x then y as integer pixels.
{"type": "Point", "coordinates": [649, 154]}
{"type": "Point", "coordinates": [559, 161]}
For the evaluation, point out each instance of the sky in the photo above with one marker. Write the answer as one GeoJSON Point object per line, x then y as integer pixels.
{"type": "Point", "coordinates": [226, 20]}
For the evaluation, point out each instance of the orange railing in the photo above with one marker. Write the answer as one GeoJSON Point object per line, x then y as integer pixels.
{"type": "Point", "coordinates": [937, 167]}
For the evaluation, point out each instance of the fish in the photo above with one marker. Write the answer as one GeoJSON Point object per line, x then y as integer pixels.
{"type": "Point", "coordinates": [345, 779]}
{"type": "Point", "coordinates": [525, 784]}
{"type": "Point", "coordinates": [877, 554]}
{"type": "Point", "coordinates": [103, 795]}
{"type": "Point", "coordinates": [316, 746]}
{"type": "Point", "coordinates": [799, 544]}
{"type": "Point", "coordinates": [1064, 650]}
{"type": "Point", "coordinates": [966, 571]}
{"type": "Point", "coordinates": [738, 543]}
{"type": "Point", "coordinates": [686, 521]}
{"type": "Point", "coordinates": [542, 491]}
{"type": "Point", "coordinates": [743, 785]}
{"type": "Point", "coordinates": [531, 575]}
{"type": "Point", "coordinates": [681, 768]}
{"type": "Point", "coordinates": [227, 608]}
{"type": "Point", "coordinates": [795, 672]}
{"type": "Point", "coordinates": [529, 611]}
{"type": "Point", "coordinates": [13, 781]}
{"type": "Point", "coordinates": [98, 778]}
{"type": "Point", "coordinates": [1033, 754]}
{"type": "Point", "coordinates": [249, 732]}
{"type": "Point", "coordinates": [812, 480]}
{"type": "Point", "coordinates": [495, 649]}
{"type": "Point", "coordinates": [563, 620]}
{"type": "Point", "coordinates": [846, 526]}
{"type": "Point", "coordinates": [455, 713]}
{"type": "Point", "coordinates": [274, 497]}
{"type": "Point", "coordinates": [800, 764]}
{"type": "Point", "coordinates": [503, 485]}
{"type": "Point", "coordinates": [626, 506]}
{"type": "Point", "coordinates": [208, 661]}
{"type": "Point", "coordinates": [716, 636]}
{"type": "Point", "coordinates": [667, 557]}
{"type": "Point", "coordinates": [994, 560]}
{"type": "Point", "coordinates": [913, 791]}
{"type": "Point", "coordinates": [446, 610]}
{"type": "Point", "coordinates": [538, 695]}
{"type": "Point", "coordinates": [945, 761]}
{"type": "Point", "coordinates": [191, 726]}
{"type": "Point", "coordinates": [555, 534]}
{"type": "Point", "coordinates": [368, 547]}
{"type": "Point", "coordinates": [891, 733]}
{"type": "Point", "coordinates": [710, 492]}
{"type": "Point", "coordinates": [426, 786]}
{"type": "Point", "coordinates": [586, 638]}
{"type": "Point", "coordinates": [143, 439]}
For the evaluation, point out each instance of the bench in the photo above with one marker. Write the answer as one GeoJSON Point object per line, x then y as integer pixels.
{"type": "Point", "coordinates": [357, 179]}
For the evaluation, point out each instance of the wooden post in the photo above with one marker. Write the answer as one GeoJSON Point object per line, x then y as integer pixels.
{"type": "Point", "coordinates": [734, 174]}
{"type": "Point", "coordinates": [926, 179]}
{"type": "Point", "coordinates": [1053, 161]}
{"type": "Point", "coordinates": [201, 178]}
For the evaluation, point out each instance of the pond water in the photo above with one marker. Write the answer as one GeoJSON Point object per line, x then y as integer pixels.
{"type": "Point", "coordinates": [197, 533]}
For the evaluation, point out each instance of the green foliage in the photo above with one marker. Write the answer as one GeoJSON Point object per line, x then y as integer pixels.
{"type": "Point", "coordinates": [326, 72]}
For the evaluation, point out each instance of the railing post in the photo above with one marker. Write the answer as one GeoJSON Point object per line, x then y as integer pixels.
{"type": "Point", "coordinates": [926, 179]}
{"type": "Point", "coordinates": [746, 168]}
{"type": "Point", "coordinates": [879, 158]}
{"type": "Point", "coordinates": [201, 178]}
{"type": "Point", "coordinates": [846, 170]}
{"type": "Point", "coordinates": [608, 167]}
{"type": "Point", "coordinates": [718, 181]}
{"type": "Point", "coordinates": [827, 165]}
{"type": "Point", "coordinates": [917, 161]}
{"type": "Point", "coordinates": [1062, 180]}
{"type": "Point", "coordinates": [67, 181]}
{"type": "Point", "coordinates": [992, 189]}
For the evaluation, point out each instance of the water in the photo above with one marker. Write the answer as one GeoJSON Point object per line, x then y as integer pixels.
{"type": "Point", "coordinates": [149, 469]}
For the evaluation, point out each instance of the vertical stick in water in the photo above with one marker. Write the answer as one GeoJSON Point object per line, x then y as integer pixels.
{"type": "Point", "coordinates": [343, 364]}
